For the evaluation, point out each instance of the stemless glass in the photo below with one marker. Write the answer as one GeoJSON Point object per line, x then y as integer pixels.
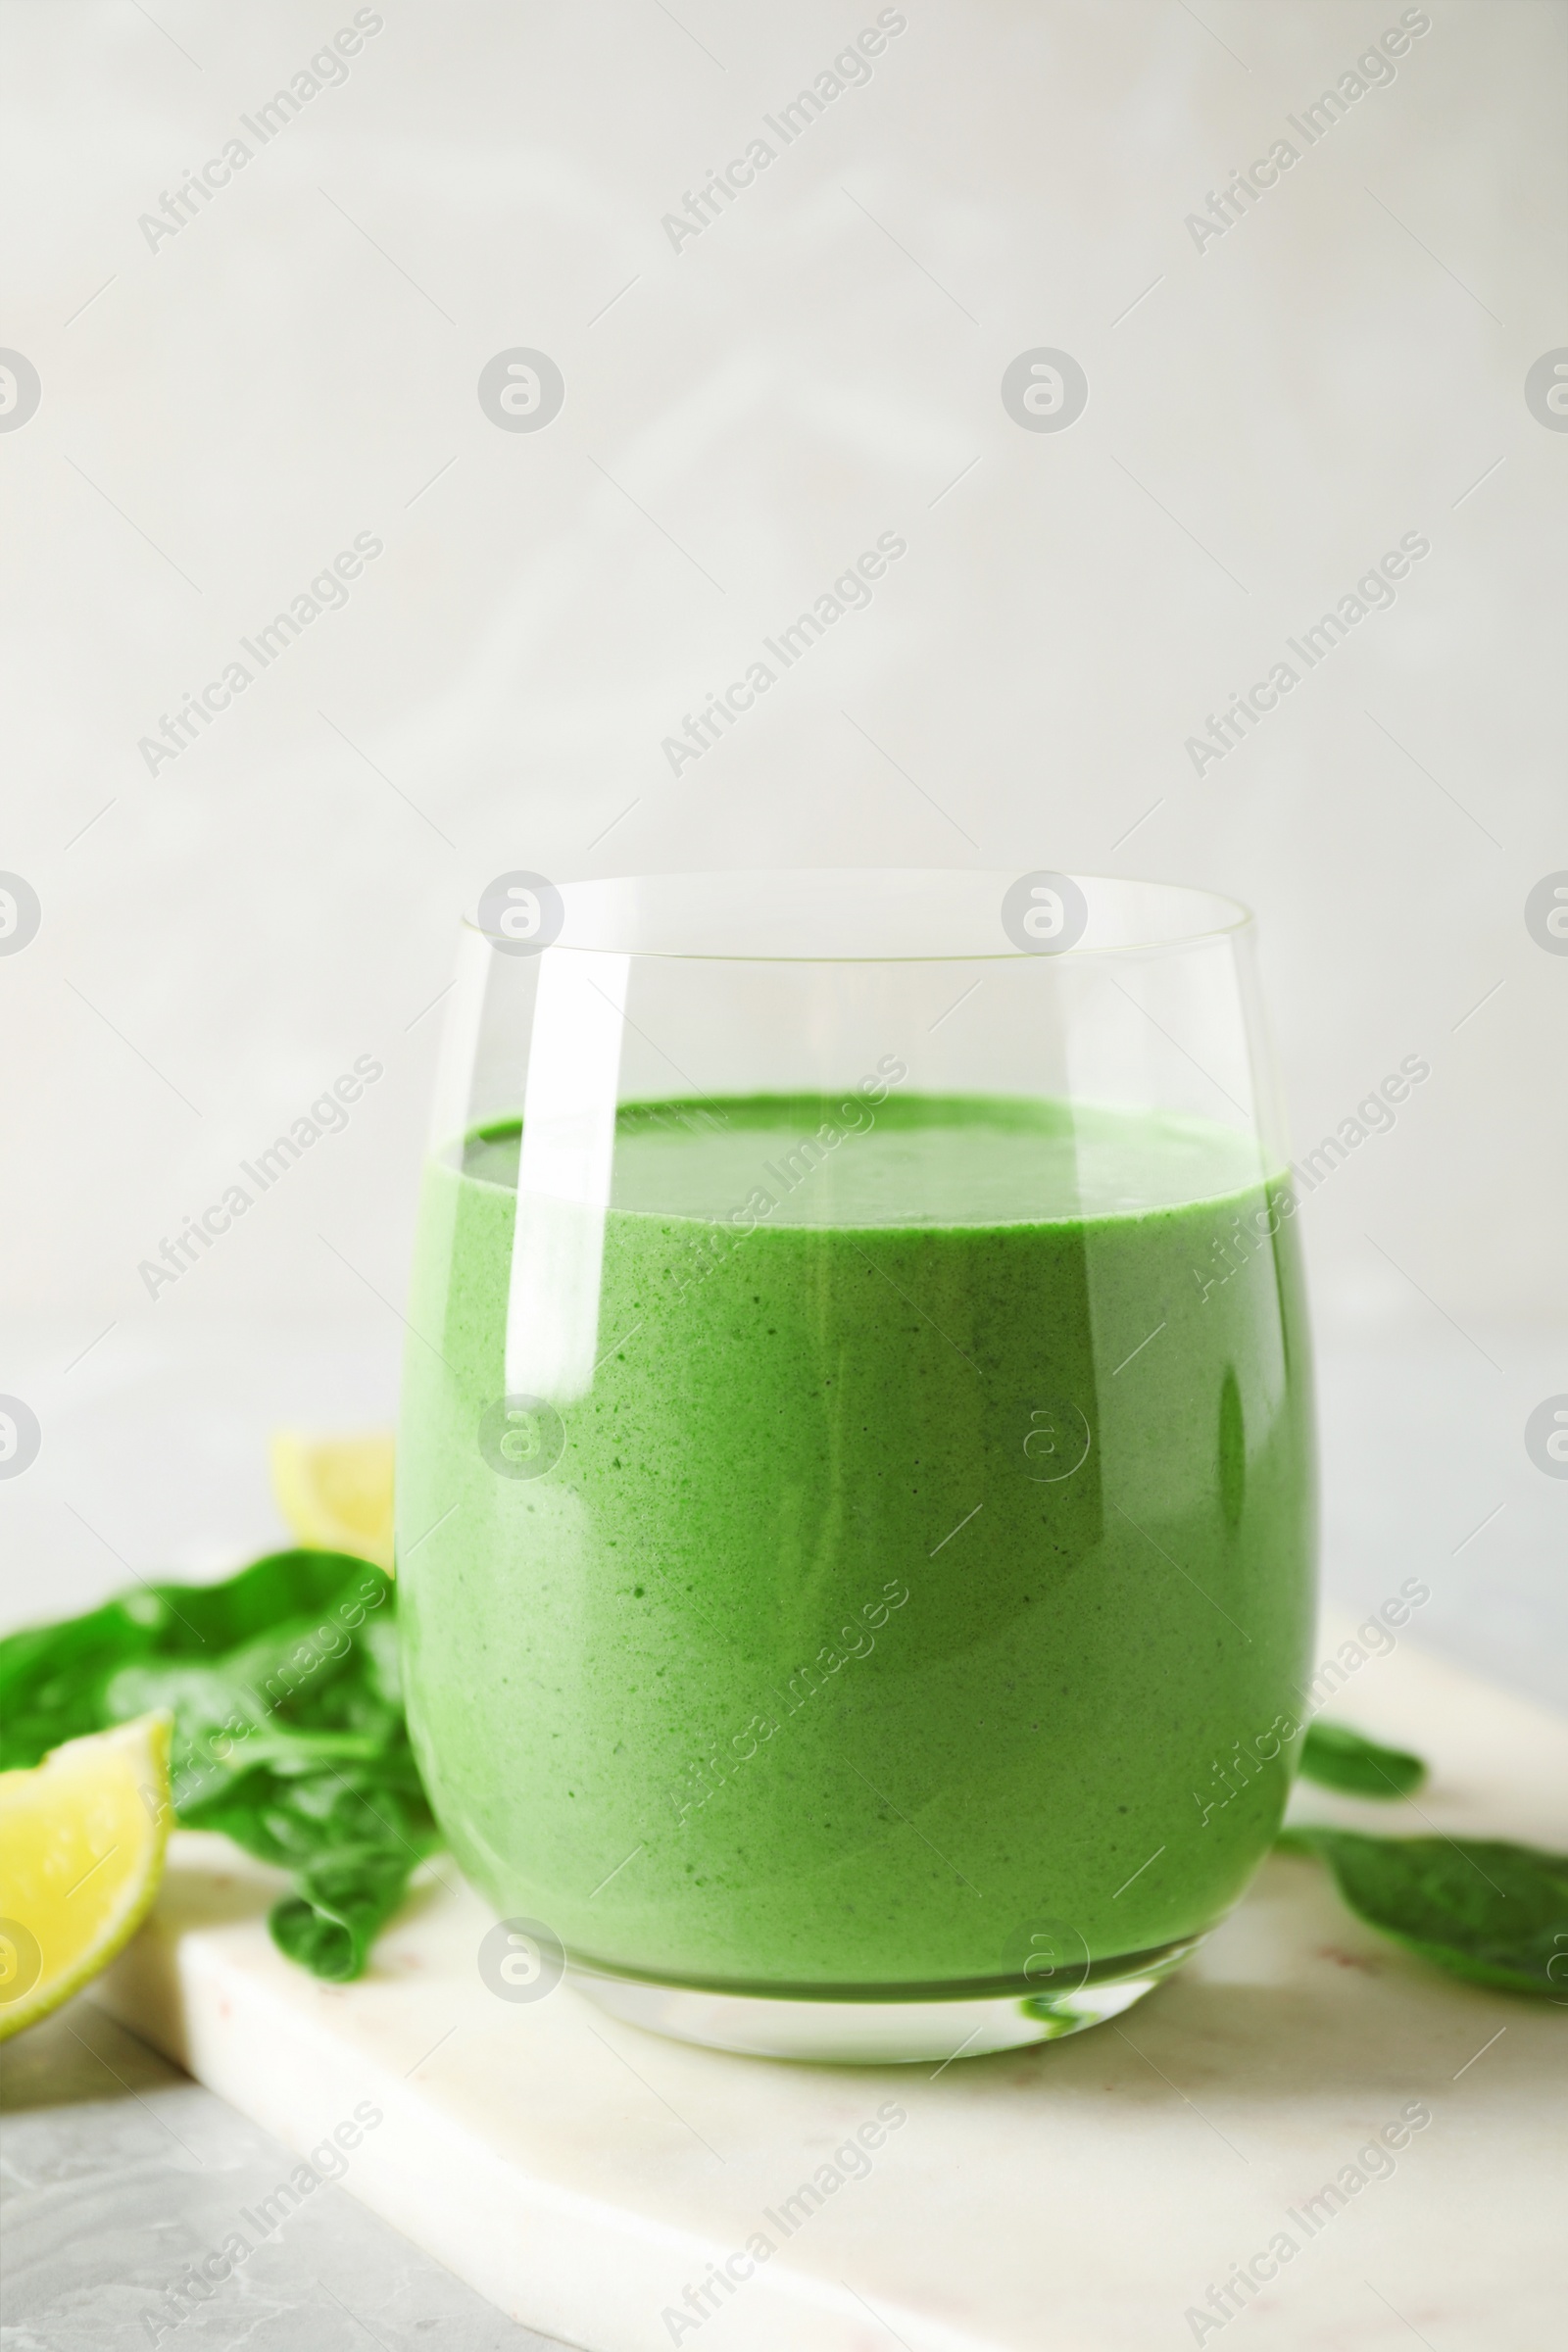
{"type": "Point", "coordinates": [856, 1492]}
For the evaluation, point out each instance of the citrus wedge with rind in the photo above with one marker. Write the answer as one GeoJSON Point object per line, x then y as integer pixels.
{"type": "Point", "coordinates": [335, 1493]}
{"type": "Point", "coordinates": [81, 1851]}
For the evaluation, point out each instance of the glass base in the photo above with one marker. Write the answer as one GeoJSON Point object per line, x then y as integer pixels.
{"type": "Point", "coordinates": [882, 2029]}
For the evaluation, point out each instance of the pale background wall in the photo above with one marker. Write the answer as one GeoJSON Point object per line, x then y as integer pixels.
{"type": "Point", "coordinates": [222, 415]}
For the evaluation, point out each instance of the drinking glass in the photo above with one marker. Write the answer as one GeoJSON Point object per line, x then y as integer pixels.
{"type": "Point", "coordinates": [855, 1517]}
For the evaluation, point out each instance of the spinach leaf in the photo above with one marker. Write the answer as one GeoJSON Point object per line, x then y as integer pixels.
{"type": "Point", "coordinates": [1345, 1759]}
{"type": "Point", "coordinates": [341, 1902]}
{"type": "Point", "coordinates": [290, 1817]}
{"type": "Point", "coordinates": [1493, 1912]}
{"type": "Point", "coordinates": [53, 1678]}
{"type": "Point", "coordinates": [290, 1733]}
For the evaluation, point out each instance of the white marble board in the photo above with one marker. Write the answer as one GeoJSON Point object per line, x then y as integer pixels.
{"type": "Point", "coordinates": [1084, 2196]}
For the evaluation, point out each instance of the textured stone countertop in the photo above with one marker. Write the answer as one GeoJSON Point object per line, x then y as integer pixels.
{"type": "Point", "coordinates": [115, 2171]}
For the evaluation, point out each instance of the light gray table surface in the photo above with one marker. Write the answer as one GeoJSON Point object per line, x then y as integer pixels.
{"type": "Point", "coordinates": [115, 2171]}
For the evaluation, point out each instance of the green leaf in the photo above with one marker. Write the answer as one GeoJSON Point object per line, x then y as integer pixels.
{"type": "Point", "coordinates": [52, 1676]}
{"type": "Point", "coordinates": [290, 1733]}
{"type": "Point", "coordinates": [289, 1819]}
{"type": "Point", "coordinates": [1347, 1760]}
{"type": "Point", "coordinates": [271, 1592]}
{"type": "Point", "coordinates": [55, 1679]}
{"type": "Point", "coordinates": [339, 1906]}
{"type": "Point", "coordinates": [1485, 1909]}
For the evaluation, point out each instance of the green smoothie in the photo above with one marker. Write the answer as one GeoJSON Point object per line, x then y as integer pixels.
{"type": "Point", "coordinates": [936, 1518]}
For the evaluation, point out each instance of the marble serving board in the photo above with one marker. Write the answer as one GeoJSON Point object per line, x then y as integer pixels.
{"type": "Point", "coordinates": [593, 2181]}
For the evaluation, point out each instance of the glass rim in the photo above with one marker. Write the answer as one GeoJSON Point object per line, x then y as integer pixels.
{"type": "Point", "coordinates": [608, 913]}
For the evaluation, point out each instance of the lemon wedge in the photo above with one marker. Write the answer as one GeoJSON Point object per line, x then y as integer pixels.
{"type": "Point", "coordinates": [81, 1851]}
{"type": "Point", "coordinates": [335, 1493]}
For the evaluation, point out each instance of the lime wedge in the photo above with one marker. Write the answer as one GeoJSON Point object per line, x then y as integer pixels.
{"type": "Point", "coordinates": [335, 1493]}
{"type": "Point", "coordinates": [81, 1851]}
